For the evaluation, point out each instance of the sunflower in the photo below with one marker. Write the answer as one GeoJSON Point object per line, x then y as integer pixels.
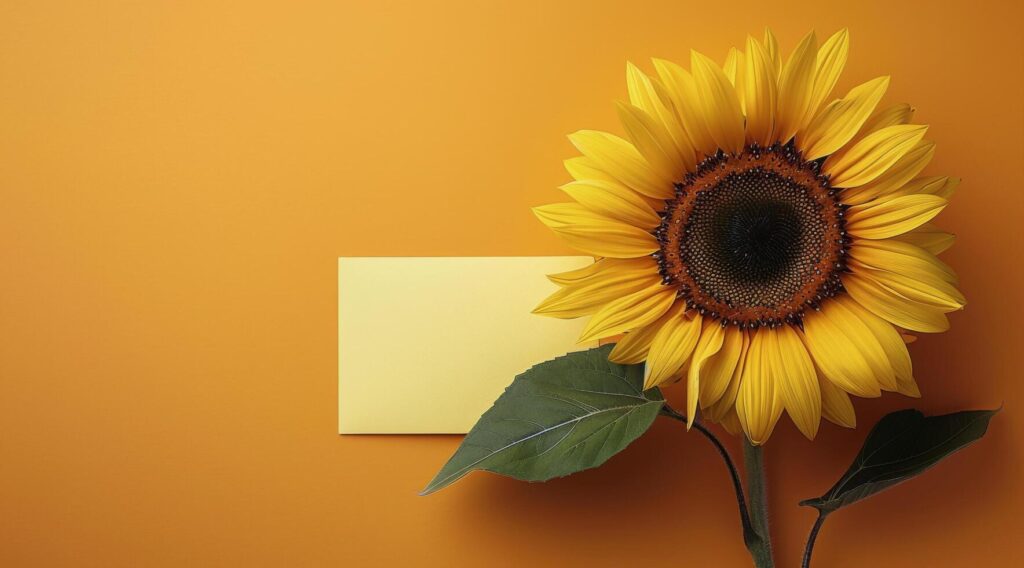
{"type": "Point", "coordinates": [771, 248]}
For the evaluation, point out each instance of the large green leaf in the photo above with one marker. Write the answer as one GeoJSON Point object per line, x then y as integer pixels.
{"type": "Point", "coordinates": [902, 445]}
{"type": "Point", "coordinates": [562, 416]}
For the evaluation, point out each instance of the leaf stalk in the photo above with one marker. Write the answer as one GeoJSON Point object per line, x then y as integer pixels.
{"type": "Point", "coordinates": [811, 538]}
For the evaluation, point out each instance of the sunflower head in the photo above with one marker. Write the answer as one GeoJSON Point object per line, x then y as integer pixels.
{"type": "Point", "coordinates": [771, 247]}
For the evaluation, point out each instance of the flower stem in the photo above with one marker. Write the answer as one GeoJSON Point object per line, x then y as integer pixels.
{"type": "Point", "coordinates": [737, 484]}
{"type": "Point", "coordinates": [751, 537]}
{"type": "Point", "coordinates": [813, 537]}
{"type": "Point", "coordinates": [761, 546]}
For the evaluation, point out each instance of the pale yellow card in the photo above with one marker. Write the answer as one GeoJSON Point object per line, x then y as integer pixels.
{"type": "Point", "coordinates": [426, 344]}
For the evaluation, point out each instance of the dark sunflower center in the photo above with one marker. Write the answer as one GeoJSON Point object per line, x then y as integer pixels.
{"type": "Point", "coordinates": [753, 239]}
{"type": "Point", "coordinates": [756, 240]}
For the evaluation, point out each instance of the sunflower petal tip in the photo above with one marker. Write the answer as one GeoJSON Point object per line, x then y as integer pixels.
{"type": "Point", "coordinates": [813, 433]}
{"type": "Point", "coordinates": [578, 134]}
{"type": "Point", "coordinates": [588, 335]}
{"type": "Point", "coordinates": [541, 212]}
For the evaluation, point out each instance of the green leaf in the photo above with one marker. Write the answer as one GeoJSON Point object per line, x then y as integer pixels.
{"type": "Point", "coordinates": [562, 416]}
{"type": "Point", "coordinates": [902, 445]}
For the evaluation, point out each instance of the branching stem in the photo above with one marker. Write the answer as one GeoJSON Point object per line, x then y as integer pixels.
{"type": "Point", "coordinates": [759, 547]}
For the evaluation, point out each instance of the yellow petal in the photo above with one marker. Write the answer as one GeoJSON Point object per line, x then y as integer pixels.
{"type": "Point", "coordinates": [797, 381]}
{"type": "Point", "coordinates": [904, 170]}
{"type": "Point", "coordinates": [771, 47]}
{"type": "Point", "coordinates": [940, 186]}
{"type": "Point", "coordinates": [758, 403]}
{"type": "Point", "coordinates": [633, 347]}
{"type": "Point", "coordinates": [894, 308]}
{"type": "Point", "coordinates": [945, 190]}
{"type": "Point", "coordinates": [719, 104]}
{"type": "Point", "coordinates": [909, 388]}
{"type": "Point", "coordinates": [727, 401]}
{"type": "Point", "coordinates": [836, 125]}
{"type": "Point", "coordinates": [836, 357]}
{"type": "Point", "coordinates": [795, 88]}
{"type": "Point", "coordinates": [731, 422]}
{"type": "Point", "coordinates": [881, 118]}
{"type": "Point", "coordinates": [835, 404]}
{"type": "Point", "coordinates": [671, 347]}
{"type": "Point", "coordinates": [595, 234]}
{"type": "Point", "coordinates": [863, 339]}
{"type": "Point", "coordinates": [622, 161]}
{"type": "Point", "coordinates": [618, 278]}
{"type": "Point", "coordinates": [888, 116]}
{"type": "Point", "coordinates": [582, 168]}
{"type": "Point", "coordinates": [682, 89]}
{"type": "Point", "coordinates": [653, 99]}
{"type": "Point", "coordinates": [888, 338]}
{"type": "Point", "coordinates": [891, 216]}
{"type": "Point", "coordinates": [905, 258]}
{"type": "Point", "coordinates": [731, 65]}
{"type": "Point", "coordinates": [580, 274]}
{"type": "Point", "coordinates": [760, 93]}
{"type": "Point", "coordinates": [737, 79]}
{"type": "Point", "coordinates": [613, 200]}
{"type": "Point", "coordinates": [830, 62]}
{"type": "Point", "coordinates": [717, 370]}
{"type": "Point", "coordinates": [710, 342]}
{"type": "Point", "coordinates": [654, 143]}
{"type": "Point", "coordinates": [873, 155]}
{"type": "Point", "coordinates": [929, 237]}
{"type": "Point", "coordinates": [629, 312]}
{"type": "Point", "coordinates": [933, 292]}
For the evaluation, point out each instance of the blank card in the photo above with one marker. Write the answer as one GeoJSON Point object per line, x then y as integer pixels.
{"type": "Point", "coordinates": [425, 345]}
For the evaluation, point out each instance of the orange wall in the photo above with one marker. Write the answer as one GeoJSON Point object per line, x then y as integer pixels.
{"type": "Point", "coordinates": [178, 180]}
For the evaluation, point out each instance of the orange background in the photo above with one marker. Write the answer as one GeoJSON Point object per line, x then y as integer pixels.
{"type": "Point", "coordinates": [178, 179]}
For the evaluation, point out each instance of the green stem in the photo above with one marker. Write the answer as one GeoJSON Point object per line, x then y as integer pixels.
{"type": "Point", "coordinates": [761, 546]}
{"type": "Point", "coordinates": [813, 537]}
{"type": "Point", "coordinates": [737, 484]}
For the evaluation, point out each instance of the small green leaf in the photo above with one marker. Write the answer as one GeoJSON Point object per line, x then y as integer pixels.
{"type": "Point", "coordinates": [562, 416]}
{"type": "Point", "coordinates": [902, 445]}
